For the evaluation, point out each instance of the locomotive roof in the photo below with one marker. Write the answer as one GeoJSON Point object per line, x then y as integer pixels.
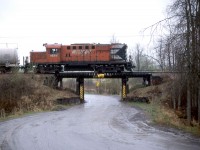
{"type": "Point", "coordinates": [89, 44]}
{"type": "Point", "coordinates": [56, 45]}
{"type": "Point", "coordinates": [83, 44]}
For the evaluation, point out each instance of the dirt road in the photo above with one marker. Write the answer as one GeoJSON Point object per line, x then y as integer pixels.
{"type": "Point", "coordinates": [103, 123]}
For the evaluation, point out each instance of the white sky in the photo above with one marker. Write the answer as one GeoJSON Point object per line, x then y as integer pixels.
{"type": "Point", "coordinates": [30, 23]}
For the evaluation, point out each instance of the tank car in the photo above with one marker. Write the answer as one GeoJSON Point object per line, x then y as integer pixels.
{"type": "Point", "coordinates": [81, 57]}
{"type": "Point", "coordinates": [8, 59]}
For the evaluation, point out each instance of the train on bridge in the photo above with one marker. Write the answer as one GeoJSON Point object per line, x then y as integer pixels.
{"type": "Point", "coordinates": [81, 57]}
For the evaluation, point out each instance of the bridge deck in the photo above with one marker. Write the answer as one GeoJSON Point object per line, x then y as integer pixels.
{"type": "Point", "coordinates": [103, 75]}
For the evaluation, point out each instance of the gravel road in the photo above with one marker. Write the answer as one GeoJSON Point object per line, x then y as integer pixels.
{"type": "Point", "coordinates": [102, 123]}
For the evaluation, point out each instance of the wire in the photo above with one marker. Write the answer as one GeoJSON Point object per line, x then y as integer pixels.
{"type": "Point", "coordinates": [78, 36]}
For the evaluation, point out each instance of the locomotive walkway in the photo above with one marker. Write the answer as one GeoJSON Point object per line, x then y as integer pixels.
{"type": "Point", "coordinates": [123, 75]}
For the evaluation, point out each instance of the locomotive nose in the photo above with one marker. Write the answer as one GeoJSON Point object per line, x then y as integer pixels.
{"type": "Point", "coordinates": [118, 52]}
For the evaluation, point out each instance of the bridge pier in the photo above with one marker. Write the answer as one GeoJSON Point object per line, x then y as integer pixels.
{"type": "Point", "coordinates": [77, 86]}
{"type": "Point", "coordinates": [61, 83]}
{"type": "Point", "coordinates": [80, 88]}
{"type": "Point", "coordinates": [124, 88]}
{"type": "Point", "coordinates": [147, 80]}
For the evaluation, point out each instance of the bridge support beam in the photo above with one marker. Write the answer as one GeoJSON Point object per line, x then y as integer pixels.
{"type": "Point", "coordinates": [127, 89]}
{"type": "Point", "coordinates": [80, 88]}
{"type": "Point", "coordinates": [61, 83]}
{"type": "Point", "coordinates": [77, 86]}
{"type": "Point", "coordinates": [147, 80]}
{"type": "Point", "coordinates": [124, 88]}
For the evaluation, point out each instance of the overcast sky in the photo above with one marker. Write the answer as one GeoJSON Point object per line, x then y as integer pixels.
{"type": "Point", "coordinates": [30, 23]}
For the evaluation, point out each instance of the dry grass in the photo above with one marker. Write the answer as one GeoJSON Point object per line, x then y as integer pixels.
{"type": "Point", "coordinates": [21, 93]}
{"type": "Point", "coordinates": [166, 117]}
{"type": "Point", "coordinates": [159, 109]}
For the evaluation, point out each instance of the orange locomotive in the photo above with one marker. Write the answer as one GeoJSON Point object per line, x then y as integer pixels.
{"type": "Point", "coordinates": [81, 57]}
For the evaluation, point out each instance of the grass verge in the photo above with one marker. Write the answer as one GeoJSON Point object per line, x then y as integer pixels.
{"type": "Point", "coordinates": [57, 107]}
{"type": "Point", "coordinates": [165, 117]}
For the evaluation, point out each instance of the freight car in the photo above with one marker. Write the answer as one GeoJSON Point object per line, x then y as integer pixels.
{"type": "Point", "coordinates": [8, 60]}
{"type": "Point", "coordinates": [81, 57]}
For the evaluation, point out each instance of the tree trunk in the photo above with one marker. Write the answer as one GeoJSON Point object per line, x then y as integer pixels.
{"type": "Point", "coordinates": [188, 102]}
{"type": "Point", "coordinates": [179, 99]}
{"type": "Point", "coordinates": [198, 26]}
{"type": "Point", "coordinates": [199, 104]}
{"type": "Point", "coordinates": [173, 95]}
{"type": "Point", "coordinates": [188, 50]}
{"type": "Point", "coordinates": [169, 57]}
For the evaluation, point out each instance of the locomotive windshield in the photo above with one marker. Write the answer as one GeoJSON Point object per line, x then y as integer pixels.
{"type": "Point", "coordinates": [54, 51]}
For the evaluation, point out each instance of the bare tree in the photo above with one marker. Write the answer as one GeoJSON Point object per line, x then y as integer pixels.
{"type": "Point", "coordinates": [182, 49]}
{"type": "Point", "coordinates": [138, 56]}
{"type": "Point", "coordinates": [160, 54]}
{"type": "Point", "coordinates": [186, 12]}
{"type": "Point", "coordinates": [114, 39]}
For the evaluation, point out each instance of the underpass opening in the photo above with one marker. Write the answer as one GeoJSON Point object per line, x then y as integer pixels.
{"type": "Point", "coordinates": [118, 80]}
{"type": "Point", "coordinates": [100, 86]}
{"type": "Point", "coordinates": [103, 86]}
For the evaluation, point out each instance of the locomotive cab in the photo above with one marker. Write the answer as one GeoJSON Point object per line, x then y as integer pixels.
{"type": "Point", "coordinates": [53, 52]}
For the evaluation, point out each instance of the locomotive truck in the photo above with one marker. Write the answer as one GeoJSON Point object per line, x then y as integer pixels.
{"type": "Point", "coordinates": [81, 57]}
{"type": "Point", "coordinates": [8, 59]}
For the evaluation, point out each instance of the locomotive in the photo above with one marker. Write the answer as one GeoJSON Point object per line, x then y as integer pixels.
{"type": "Point", "coordinates": [81, 57]}
{"type": "Point", "coordinates": [8, 59]}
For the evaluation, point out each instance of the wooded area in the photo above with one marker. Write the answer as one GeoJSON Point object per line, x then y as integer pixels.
{"type": "Point", "coordinates": [179, 51]}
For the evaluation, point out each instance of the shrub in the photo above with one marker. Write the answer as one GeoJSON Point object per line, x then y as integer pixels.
{"type": "Point", "coordinates": [12, 88]}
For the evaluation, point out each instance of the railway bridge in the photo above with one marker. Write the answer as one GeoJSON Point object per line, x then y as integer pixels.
{"type": "Point", "coordinates": [80, 76]}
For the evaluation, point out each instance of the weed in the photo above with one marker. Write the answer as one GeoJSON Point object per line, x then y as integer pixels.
{"type": "Point", "coordinates": [21, 93]}
{"type": "Point", "coordinates": [165, 116]}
